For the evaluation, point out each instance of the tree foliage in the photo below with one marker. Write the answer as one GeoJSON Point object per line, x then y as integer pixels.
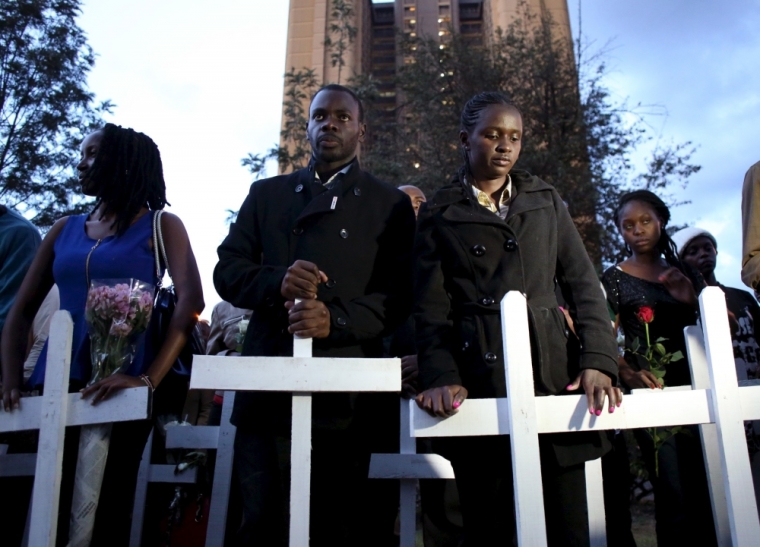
{"type": "Point", "coordinates": [342, 33]}
{"type": "Point", "coordinates": [576, 137]}
{"type": "Point", "coordinates": [45, 106]}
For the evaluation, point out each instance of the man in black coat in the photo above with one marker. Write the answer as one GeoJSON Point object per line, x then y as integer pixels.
{"type": "Point", "coordinates": [339, 240]}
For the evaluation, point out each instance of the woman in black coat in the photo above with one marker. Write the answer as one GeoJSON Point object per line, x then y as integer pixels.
{"type": "Point", "coordinates": [488, 233]}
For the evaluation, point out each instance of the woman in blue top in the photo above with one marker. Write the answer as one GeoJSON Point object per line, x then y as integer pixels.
{"type": "Point", "coordinates": [122, 169]}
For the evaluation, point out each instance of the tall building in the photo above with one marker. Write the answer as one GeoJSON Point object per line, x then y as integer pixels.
{"type": "Point", "coordinates": [374, 49]}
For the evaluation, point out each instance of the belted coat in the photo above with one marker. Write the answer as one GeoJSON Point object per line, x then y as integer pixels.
{"type": "Point", "coordinates": [467, 258]}
{"type": "Point", "coordinates": [359, 231]}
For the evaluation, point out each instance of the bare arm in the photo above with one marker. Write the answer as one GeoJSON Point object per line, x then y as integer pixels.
{"type": "Point", "coordinates": [187, 285]}
{"type": "Point", "coordinates": [37, 283]}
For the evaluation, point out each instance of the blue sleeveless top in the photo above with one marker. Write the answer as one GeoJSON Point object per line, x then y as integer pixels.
{"type": "Point", "coordinates": [117, 257]}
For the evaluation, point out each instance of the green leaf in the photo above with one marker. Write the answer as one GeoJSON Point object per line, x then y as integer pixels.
{"type": "Point", "coordinates": [659, 374]}
{"type": "Point", "coordinates": [635, 345]}
{"type": "Point", "coordinates": [661, 339]}
{"type": "Point", "coordinates": [677, 356]}
{"type": "Point", "coordinates": [659, 348]}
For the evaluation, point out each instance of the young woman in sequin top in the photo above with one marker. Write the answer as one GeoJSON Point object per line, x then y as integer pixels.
{"type": "Point", "coordinates": [653, 278]}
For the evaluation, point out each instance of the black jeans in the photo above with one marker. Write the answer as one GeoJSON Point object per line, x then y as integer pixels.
{"type": "Point", "coordinates": [483, 468]}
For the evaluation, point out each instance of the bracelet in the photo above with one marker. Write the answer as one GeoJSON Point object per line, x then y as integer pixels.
{"type": "Point", "coordinates": [147, 381]}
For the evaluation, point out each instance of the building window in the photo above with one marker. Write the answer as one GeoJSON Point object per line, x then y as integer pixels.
{"type": "Point", "coordinates": [471, 28]}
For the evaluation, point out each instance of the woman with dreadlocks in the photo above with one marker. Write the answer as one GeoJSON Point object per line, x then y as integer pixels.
{"type": "Point", "coordinates": [122, 170]}
{"type": "Point", "coordinates": [652, 290]}
{"type": "Point", "coordinates": [494, 230]}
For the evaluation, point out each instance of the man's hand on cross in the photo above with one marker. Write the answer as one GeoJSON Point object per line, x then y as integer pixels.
{"type": "Point", "coordinates": [308, 319]}
{"type": "Point", "coordinates": [442, 401]}
{"type": "Point", "coordinates": [301, 281]}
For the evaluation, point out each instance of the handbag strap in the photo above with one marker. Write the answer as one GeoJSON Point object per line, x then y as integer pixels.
{"type": "Point", "coordinates": [159, 249]}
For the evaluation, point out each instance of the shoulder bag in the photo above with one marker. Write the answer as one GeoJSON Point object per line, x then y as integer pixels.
{"type": "Point", "coordinates": [165, 304]}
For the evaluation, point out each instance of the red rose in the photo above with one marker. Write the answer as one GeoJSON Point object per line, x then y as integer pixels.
{"type": "Point", "coordinates": [645, 314]}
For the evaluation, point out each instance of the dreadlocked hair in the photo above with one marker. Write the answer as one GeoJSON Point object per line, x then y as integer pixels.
{"type": "Point", "coordinates": [470, 117]}
{"type": "Point", "coordinates": [129, 175]}
{"type": "Point", "coordinates": [665, 244]}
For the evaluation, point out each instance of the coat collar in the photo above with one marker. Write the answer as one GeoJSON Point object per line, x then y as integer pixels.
{"type": "Point", "coordinates": [530, 194]}
{"type": "Point", "coordinates": [330, 201]}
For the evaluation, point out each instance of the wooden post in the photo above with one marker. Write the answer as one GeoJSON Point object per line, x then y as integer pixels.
{"type": "Point", "coordinates": [721, 402]}
{"type": "Point", "coordinates": [597, 523]}
{"type": "Point", "coordinates": [301, 375]}
{"type": "Point", "coordinates": [47, 484]}
{"type": "Point", "coordinates": [700, 379]}
{"type": "Point", "coordinates": [300, 456]}
{"type": "Point", "coordinates": [220, 494]}
{"type": "Point", "coordinates": [737, 476]}
{"type": "Point", "coordinates": [407, 487]}
{"type": "Point", "coordinates": [529, 497]}
{"type": "Point", "coordinates": [51, 414]}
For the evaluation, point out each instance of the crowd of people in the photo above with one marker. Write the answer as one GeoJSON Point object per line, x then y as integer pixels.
{"type": "Point", "coordinates": [365, 269]}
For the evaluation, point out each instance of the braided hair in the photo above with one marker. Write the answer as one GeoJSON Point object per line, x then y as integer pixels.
{"type": "Point", "coordinates": [470, 117]}
{"type": "Point", "coordinates": [129, 175]}
{"type": "Point", "coordinates": [665, 244]}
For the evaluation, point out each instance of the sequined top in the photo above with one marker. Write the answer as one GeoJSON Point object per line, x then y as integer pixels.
{"type": "Point", "coordinates": [626, 294]}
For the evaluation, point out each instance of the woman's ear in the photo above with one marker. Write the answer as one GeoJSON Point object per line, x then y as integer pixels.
{"type": "Point", "coordinates": [464, 138]}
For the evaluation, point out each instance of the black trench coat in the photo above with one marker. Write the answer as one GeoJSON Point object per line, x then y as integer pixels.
{"type": "Point", "coordinates": [468, 258]}
{"type": "Point", "coordinates": [360, 232]}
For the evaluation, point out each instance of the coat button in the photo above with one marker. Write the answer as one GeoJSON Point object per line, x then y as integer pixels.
{"type": "Point", "coordinates": [487, 301]}
{"type": "Point", "coordinates": [330, 283]}
{"type": "Point", "coordinates": [341, 321]}
{"type": "Point", "coordinates": [344, 233]}
{"type": "Point", "coordinates": [357, 191]}
{"type": "Point", "coordinates": [510, 245]}
{"type": "Point", "coordinates": [478, 250]}
{"type": "Point", "coordinates": [298, 231]}
{"type": "Point", "coordinates": [299, 188]}
{"type": "Point", "coordinates": [490, 357]}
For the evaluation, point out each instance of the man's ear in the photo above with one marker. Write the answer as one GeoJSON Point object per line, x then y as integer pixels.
{"type": "Point", "coordinates": [362, 131]}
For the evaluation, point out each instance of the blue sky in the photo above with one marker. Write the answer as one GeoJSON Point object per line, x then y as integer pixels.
{"type": "Point", "coordinates": [204, 80]}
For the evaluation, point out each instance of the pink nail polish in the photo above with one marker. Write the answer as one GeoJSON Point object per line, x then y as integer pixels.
{"type": "Point", "coordinates": [569, 386]}
{"type": "Point", "coordinates": [598, 412]}
{"type": "Point", "coordinates": [591, 412]}
{"type": "Point", "coordinates": [612, 409]}
{"type": "Point", "coordinates": [457, 404]}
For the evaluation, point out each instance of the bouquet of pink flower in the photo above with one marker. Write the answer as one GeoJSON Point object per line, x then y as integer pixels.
{"type": "Point", "coordinates": [117, 311]}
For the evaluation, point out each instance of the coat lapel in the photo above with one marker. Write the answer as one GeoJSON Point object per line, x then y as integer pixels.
{"type": "Point", "coordinates": [530, 194]}
{"type": "Point", "coordinates": [333, 199]}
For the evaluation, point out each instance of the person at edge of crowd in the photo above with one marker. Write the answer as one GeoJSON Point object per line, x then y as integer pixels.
{"type": "Point", "coordinates": [441, 516]}
{"type": "Point", "coordinates": [19, 241]}
{"type": "Point", "coordinates": [225, 340]}
{"type": "Point", "coordinates": [122, 170]}
{"type": "Point", "coordinates": [654, 278]}
{"type": "Point", "coordinates": [340, 241]}
{"type": "Point", "coordinates": [751, 228]}
{"type": "Point", "coordinates": [699, 249]}
{"type": "Point", "coordinates": [494, 230]}
{"type": "Point", "coordinates": [416, 196]}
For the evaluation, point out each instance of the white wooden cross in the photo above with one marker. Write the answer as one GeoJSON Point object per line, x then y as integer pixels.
{"type": "Point", "coordinates": [51, 414]}
{"type": "Point", "coordinates": [199, 437]}
{"type": "Point", "coordinates": [408, 467]}
{"type": "Point", "coordinates": [300, 375]}
{"type": "Point", "coordinates": [721, 404]}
